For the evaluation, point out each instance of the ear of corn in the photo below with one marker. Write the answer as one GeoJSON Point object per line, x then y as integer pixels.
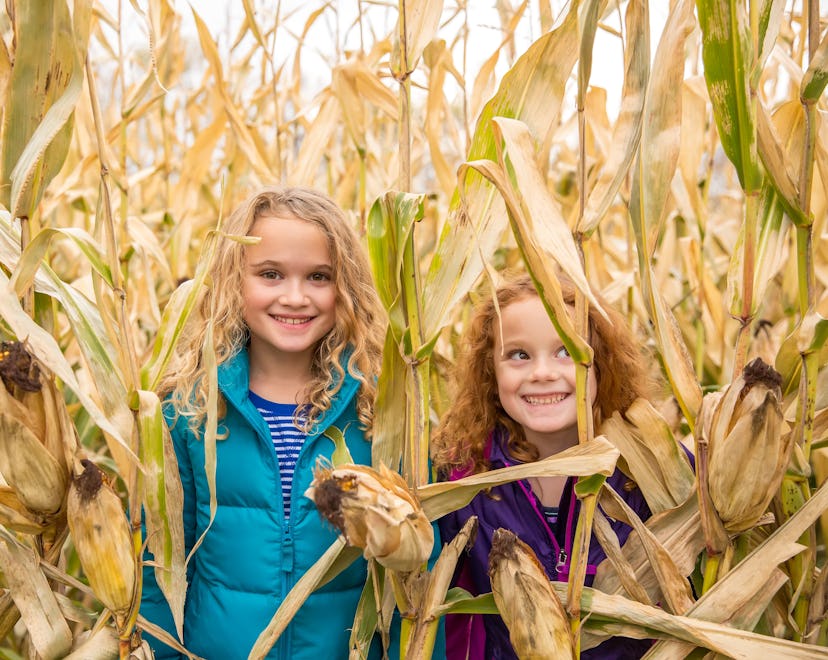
{"type": "Point", "coordinates": [530, 608]}
{"type": "Point", "coordinates": [30, 469]}
{"type": "Point", "coordinates": [31, 457]}
{"type": "Point", "coordinates": [102, 539]}
{"type": "Point", "coordinates": [748, 451]}
{"type": "Point", "coordinates": [376, 511]}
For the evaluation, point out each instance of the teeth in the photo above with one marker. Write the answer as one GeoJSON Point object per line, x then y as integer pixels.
{"type": "Point", "coordinates": [543, 400]}
{"type": "Point", "coordinates": [292, 321]}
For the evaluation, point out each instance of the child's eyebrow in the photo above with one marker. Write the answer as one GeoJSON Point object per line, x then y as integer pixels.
{"type": "Point", "coordinates": [278, 264]}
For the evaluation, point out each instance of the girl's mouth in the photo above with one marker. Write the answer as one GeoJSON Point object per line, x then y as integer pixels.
{"type": "Point", "coordinates": [544, 399]}
{"type": "Point", "coordinates": [291, 320]}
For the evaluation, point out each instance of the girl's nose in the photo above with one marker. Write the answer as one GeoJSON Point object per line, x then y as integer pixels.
{"type": "Point", "coordinates": [545, 369]}
{"type": "Point", "coordinates": [293, 293]}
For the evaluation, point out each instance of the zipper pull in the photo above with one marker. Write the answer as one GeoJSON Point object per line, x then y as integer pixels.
{"type": "Point", "coordinates": [561, 561]}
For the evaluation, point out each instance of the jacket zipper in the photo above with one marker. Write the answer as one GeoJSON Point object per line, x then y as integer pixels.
{"type": "Point", "coordinates": [561, 552]}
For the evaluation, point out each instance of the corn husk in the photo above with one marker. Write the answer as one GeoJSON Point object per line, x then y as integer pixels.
{"type": "Point", "coordinates": [31, 457]}
{"type": "Point", "coordinates": [375, 510]}
{"type": "Point", "coordinates": [103, 540]}
{"type": "Point", "coordinates": [530, 608]}
{"type": "Point", "coordinates": [749, 450]}
{"type": "Point", "coordinates": [35, 476]}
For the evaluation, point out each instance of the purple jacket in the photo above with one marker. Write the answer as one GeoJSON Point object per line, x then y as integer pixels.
{"type": "Point", "coordinates": [513, 506]}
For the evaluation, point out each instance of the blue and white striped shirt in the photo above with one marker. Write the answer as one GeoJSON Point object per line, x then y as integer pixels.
{"type": "Point", "coordinates": [287, 439]}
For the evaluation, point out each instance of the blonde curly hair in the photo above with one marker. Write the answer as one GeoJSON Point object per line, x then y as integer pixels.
{"type": "Point", "coordinates": [359, 318]}
{"type": "Point", "coordinates": [621, 375]}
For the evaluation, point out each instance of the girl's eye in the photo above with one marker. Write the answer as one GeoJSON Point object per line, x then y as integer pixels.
{"type": "Point", "coordinates": [320, 277]}
{"type": "Point", "coordinates": [271, 274]}
{"type": "Point", "coordinates": [518, 354]}
{"type": "Point", "coordinates": [562, 353]}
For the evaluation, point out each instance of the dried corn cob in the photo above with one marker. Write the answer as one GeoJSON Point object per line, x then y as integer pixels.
{"type": "Point", "coordinates": [32, 459]}
{"type": "Point", "coordinates": [103, 540]}
{"type": "Point", "coordinates": [376, 511]}
{"type": "Point", "coordinates": [748, 450]}
{"type": "Point", "coordinates": [530, 608]}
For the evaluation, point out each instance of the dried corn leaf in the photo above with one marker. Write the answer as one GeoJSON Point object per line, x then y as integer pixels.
{"type": "Point", "coordinates": [46, 81]}
{"type": "Point", "coordinates": [678, 531]}
{"type": "Point", "coordinates": [597, 456]}
{"type": "Point", "coordinates": [45, 348]}
{"type": "Point", "coordinates": [627, 129]}
{"type": "Point", "coordinates": [532, 91]}
{"type": "Point", "coordinates": [671, 577]}
{"type": "Point", "coordinates": [617, 615]}
{"type": "Point", "coordinates": [738, 590]}
{"type": "Point", "coordinates": [32, 594]}
{"type": "Point", "coordinates": [655, 459]}
{"type": "Point", "coordinates": [163, 502]}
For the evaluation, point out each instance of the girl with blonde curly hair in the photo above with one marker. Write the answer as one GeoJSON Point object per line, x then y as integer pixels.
{"type": "Point", "coordinates": [296, 326]}
{"type": "Point", "coordinates": [514, 401]}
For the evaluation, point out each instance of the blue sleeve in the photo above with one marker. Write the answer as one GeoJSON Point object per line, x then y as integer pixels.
{"type": "Point", "coordinates": [154, 606]}
{"type": "Point", "coordinates": [439, 652]}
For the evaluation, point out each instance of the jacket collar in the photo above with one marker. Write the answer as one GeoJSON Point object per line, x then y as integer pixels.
{"type": "Point", "coordinates": [496, 449]}
{"type": "Point", "coordinates": [234, 383]}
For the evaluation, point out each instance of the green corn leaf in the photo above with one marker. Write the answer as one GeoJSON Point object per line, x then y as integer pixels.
{"type": "Point", "coordinates": [390, 223]}
{"type": "Point", "coordinates": [816, 77]}
{"type": "Point", "coordinates": [47, 80]}
{"type": "Point", "coordinates": [727, 52]}
{"type": "Point", "coordinates": [341, 455]}
{"type": "Point", "coordinates": [163, 501]}
{"type": "Point", "coordinates": [36, 250]}
{"type": "Point", "coordinates": [390, 409]}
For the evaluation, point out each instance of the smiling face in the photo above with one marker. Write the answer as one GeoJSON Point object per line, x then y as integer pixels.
{"type": "Point", "coordinates": [536, 376]}
{"type": "Point", "coordinates": [288, 290]}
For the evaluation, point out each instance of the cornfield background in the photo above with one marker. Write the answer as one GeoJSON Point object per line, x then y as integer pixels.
{"type": "Point", "coordinates": [697, 204]}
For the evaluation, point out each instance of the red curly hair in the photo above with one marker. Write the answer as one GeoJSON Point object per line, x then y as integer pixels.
{"type": "Point", "coordinates": [621, 374]}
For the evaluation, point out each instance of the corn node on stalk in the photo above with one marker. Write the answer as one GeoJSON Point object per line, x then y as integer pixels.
{"type": "Point", "coordinates": [749, 452]}
{"type": "Point", "coordinates": [375, 510]}
{"type": "Point", "coordinates": [103, 541]}
{"type": "Point", "coordinates": [530, 608]}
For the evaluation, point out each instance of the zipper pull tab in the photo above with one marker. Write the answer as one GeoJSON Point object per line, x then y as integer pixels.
{"type": "Point", "coordinates": [561, 561]}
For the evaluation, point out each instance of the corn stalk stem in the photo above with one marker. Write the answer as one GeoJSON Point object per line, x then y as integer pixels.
{"type": "Point", "coordinates": [578, 564]}
{"type": "Point", "coordinates": [25, 238]}
{"type": "Point", "coordinates": [417, 381]}
{"type": "Point", "coordinates": [404, 606]}
{"type": "Point", "coordinates": [422, 639]}
{"type": "Point", "coordinates": [131, 367]}
{"type": "Point", "coordinates": [362, 193]}
{"type": "Point", "coordinates": [417, 376]}
{"type": "Point", "coordinates": [748, 273]}
{"type": "Point", "coordinates": [405, 106]}
{"type": "Point", "coordinates": [583, 409]}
